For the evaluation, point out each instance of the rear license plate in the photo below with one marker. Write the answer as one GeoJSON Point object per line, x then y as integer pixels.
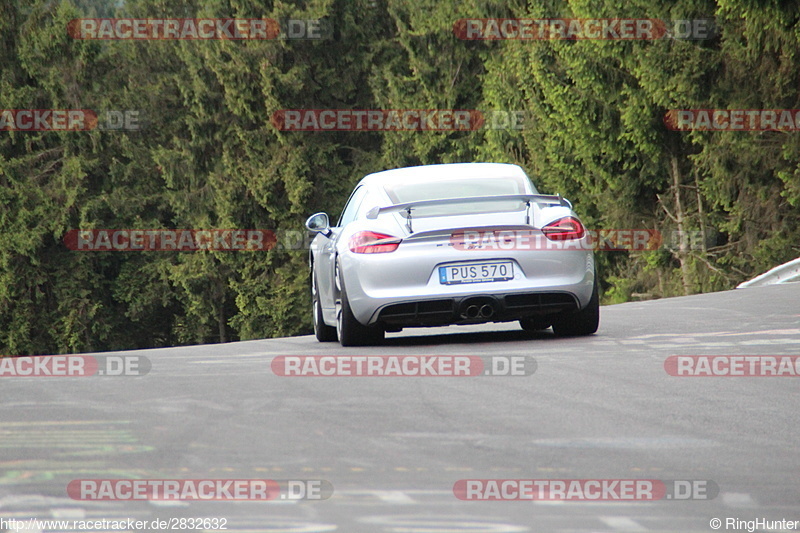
{"type": "Point", "coordinates": [476, 272]}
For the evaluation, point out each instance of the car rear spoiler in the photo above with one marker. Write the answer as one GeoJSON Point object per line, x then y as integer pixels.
{"type": "Point", "coordinates": [405, 208]}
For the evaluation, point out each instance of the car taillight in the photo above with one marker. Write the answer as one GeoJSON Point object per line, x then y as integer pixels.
{"type": "Point", "coordinates": [370, 242]}
{"type": "Point", "coordinates": [564, 229]}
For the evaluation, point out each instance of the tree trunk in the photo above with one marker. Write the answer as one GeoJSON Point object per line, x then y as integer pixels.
{"type": "Point", "coordinates": [683, 249]}
{"type": "Point", "coordinates": [221, 320]}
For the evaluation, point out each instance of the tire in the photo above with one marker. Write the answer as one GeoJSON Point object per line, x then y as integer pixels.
{"type": "Point", "coordinates": [583, 322]}
{"type": "Point", "coordinates": [349, 330]}
{"type": "Point", "coordinates": [323, 332]}
{"type": "Point", "coordinates": [536, 323]}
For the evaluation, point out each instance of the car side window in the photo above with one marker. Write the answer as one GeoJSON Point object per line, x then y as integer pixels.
{"type": "Point", "coordinates": [350, 210]}
{"type": "Point", "coordinates": [371, 199]}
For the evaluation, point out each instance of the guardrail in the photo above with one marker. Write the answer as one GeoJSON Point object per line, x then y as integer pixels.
{"type": "Point", "coordinates": [785, 273]}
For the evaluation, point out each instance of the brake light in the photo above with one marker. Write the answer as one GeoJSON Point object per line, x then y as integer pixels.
{"type": "Point", "coordinates": [370, 242]}
{"type": "Point", "coordinates": [564, 229]}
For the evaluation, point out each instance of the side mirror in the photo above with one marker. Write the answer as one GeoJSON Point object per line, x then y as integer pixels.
{"type": "Point", "coordinates": [319, 223]}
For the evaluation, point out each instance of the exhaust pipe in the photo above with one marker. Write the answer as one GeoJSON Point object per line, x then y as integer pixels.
{"type": "Point", "coordinates": [471, 311]}
{"type": "Point", "coordinates": [478, 308]}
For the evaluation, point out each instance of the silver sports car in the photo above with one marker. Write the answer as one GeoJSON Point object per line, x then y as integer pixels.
{"type": "Point", "coordinates": [461, 243]}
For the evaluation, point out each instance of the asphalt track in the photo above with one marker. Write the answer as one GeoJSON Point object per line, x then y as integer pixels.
{"type": "Point", "coordinates": [601, 407]}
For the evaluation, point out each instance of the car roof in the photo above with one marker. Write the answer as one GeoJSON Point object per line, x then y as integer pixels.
{"type": "Point", "coordinates": [445, 171]}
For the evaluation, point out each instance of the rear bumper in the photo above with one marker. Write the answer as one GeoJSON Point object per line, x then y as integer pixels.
{"type": "Point", "coordinates": [474, 309]}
